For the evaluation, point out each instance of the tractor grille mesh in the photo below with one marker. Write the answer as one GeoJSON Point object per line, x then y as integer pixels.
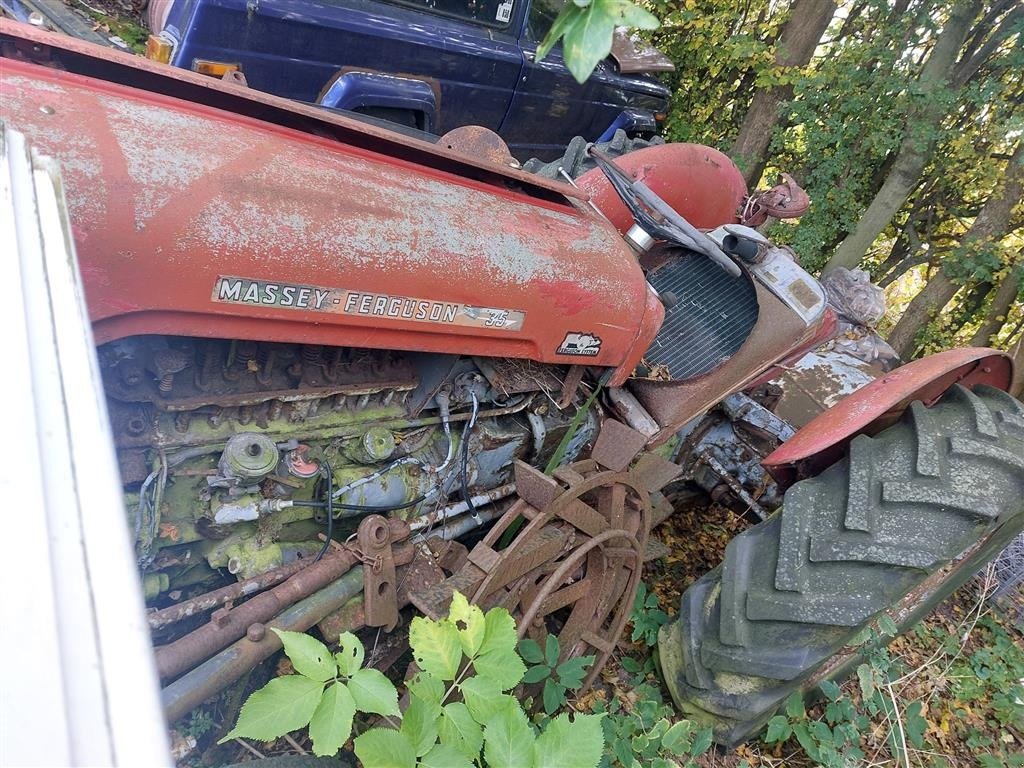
{"type": "Point", "coordinates": [713, 315]}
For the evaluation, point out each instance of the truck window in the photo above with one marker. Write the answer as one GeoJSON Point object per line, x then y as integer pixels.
{"type": "Point", "coordinates": [491, 13]}
{"type": "Point", "coordinates": [542, 15]}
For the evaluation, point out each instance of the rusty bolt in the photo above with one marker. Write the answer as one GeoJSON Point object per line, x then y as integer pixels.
{"type": "Point", "coordinates": [131, 373]}
{"type": "Point", "coordinates": [166, 363]}
{"type": "Point", "coordinates": [256, 632]}
{"type": "Point", "coordinates": [220, 616]}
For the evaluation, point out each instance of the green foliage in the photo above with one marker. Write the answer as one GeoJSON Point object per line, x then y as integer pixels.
{"type": "Point", "coordinates": [460, 710]}
{"type": "Point", "coordinates": [643, 734]}
{"type": "Point", "coordinates": [558, 679]}
{"type": "Point", "coordinates": [984, 696]}
{"type": "Point", "coordinates": [720, 50]}
{"type": "Point", "coordinates": [647, 617]}
{"type": "Point", "coordinates": [200, 722]}
{"type": "Point", "coordinates": [325, 695]}
{"type": "Point", "coordinates": [587, 26]}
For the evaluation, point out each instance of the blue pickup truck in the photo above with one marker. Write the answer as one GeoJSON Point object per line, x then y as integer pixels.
{"type": "Point", "coordinates": [432, 65]}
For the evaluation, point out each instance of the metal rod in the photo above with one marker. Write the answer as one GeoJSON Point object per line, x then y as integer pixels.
{"type": "Point", "coordinates": [214, 675]}
{"type": "Point", "coordinates": [453, 510]}
{"type": "Point", "coordinates": [186, 608]}
{"type": "Point", "coordinates": [185, 652]}
{"type": "Point", "coordinates": [463, 525]}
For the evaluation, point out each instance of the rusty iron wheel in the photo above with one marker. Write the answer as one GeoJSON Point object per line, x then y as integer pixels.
{"type": "Point", "coordinates": [584, 594]}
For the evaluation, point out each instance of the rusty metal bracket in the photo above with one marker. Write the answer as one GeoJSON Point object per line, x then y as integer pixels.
{"type": "Point", "coordinates": [380, 594]}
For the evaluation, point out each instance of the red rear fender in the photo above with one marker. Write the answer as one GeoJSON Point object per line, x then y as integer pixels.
{"type": "Point", "coordinates": [824, 439]}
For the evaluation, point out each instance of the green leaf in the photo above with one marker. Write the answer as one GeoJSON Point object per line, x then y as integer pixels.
{"type": "Point", "coordinates": [551, 650]}
{"type": "Point", "coordinates": [419, 725]}
{"type": "Point", "coordinates": [458, 729]}
{"type": "Point", "coordinates": [536, 674]}
{"type": "Point", "coordinates": [331, 724]}
{"type": "Point", "coordinates": [436, 647]}
{"type": "Point", "coordinates": [427, 687]}
{"type": "Point", "coordinates": [887, 625]}
{"type": "Point", "coordinates": [677, 738]}
{"type": "Point", "coordinates": [384, 748]}
{"type": "Point", "coordinates": [283, 705]}
{"type": "Point", "coordinates": [444, 756]}
{"type": "Point", "coordinates": [915, 724]}
{"type": "Point", "coordinates": [567, 17]}
{"type": "Point", "coordinates": [866, 678]}
{"type": "Point", "coordinates": [499, 632]}
{"type": "Point", "coordinates": [589, 41]}
{"type": "Point", "coordinates": [778, 730]}
{"type": "Point", "coordinates": [565, 744]}
{"type": "Point", "coordinates": [497, 659]}
{"type": "Point", "coordinates": [530, 651]}
{"type": "Point", "coordinates": [702, 742]}
{"type": "Point", "coordinates": [374, 693]}
{"type": "Point", "coordinates": [350, 656]}
{"type": "Point", "coordinates": [831, 690]}
{"type": "Point", "coordinates": [508, 738]}
{"type": "Point", "coordinates": [469, 621]}
{"type": "Point", "coordinates": [795, 706]}
{"type": "Point", "coordinates": [572, 671]}
{"type": "Point", "coordinates": [632, 15]}
{"type": "Point", "coordinates": [309, 656]}
{"type": "Point", "coordinates": [504, 668]}
{"type": "Point", "coordinates": [483, 697]}
{"type": "Point", "coordinates": [554, 697]}
{"type": "Point", "coordinates": [623, 749]}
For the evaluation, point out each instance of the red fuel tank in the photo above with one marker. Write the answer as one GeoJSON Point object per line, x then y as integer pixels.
{"type": "Point", "coordinates": [198, 221]}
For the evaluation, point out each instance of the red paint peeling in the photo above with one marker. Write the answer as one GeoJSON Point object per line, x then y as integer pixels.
{"type": "Point", "coordinates": [568, 296]}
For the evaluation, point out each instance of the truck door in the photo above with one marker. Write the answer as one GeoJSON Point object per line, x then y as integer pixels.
{"type": "Point", "coordinates": [295, 48]}
{"type": "Point", "coordinates": [549, 107]}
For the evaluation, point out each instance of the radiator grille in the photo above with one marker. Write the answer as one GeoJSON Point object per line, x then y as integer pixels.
{"type": "Point", "coordinates": [714, 314]}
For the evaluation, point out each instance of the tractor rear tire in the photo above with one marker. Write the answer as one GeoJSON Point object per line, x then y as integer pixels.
{"type": "Point", "coordinates": [907, 517]}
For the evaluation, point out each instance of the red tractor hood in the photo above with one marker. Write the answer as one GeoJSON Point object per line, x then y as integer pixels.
{"type": "Point", "coordinates": [195, 221]}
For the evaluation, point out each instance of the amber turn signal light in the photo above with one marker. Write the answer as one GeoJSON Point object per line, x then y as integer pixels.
{"type": "Point", "coordinates": [213, 68]}
{"type": "Point", "coordinates": [159, 49]}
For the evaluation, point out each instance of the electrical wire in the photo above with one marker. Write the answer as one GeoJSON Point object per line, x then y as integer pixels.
{"type": "Point", "coordinates": [466, 432]}
{"type": "Point", "coordinates": [329, 506]}
{"type": "Point", "coordinates": [360, 507]}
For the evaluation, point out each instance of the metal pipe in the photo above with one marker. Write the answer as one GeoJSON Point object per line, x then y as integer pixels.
{"type": "Point", "coordinates": [227, 626]}
{"type": "Point", "coordinates": [186, 608]}
{"type": "Point", "coordinates": [452, 510]}
{"type": "Point", "coordinates": [462, 526]}
{"type": "Point", "coordinates": [214, 675]}
{"type": "Point", "coordinates": [217, 673]}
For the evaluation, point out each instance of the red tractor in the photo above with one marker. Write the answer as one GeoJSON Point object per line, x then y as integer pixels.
{"type": "Point", "coordinates": [312, 331]}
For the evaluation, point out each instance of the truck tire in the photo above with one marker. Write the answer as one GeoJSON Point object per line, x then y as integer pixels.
{"type": "Point", "coordinates": [907, 517]}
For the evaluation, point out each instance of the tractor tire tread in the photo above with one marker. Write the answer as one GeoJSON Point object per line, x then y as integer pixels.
{"type": "Point", "coordinates": [848, 544]}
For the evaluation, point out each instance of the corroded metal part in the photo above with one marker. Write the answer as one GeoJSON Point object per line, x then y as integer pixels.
{"type": "Point", "coordinates": [218, 597]}
{"type": "Point", "coordinates": [573, 567]}
{"type": "Point", "coordinates": [881, 403]}
{"type": "Point", "coordinates": [217, 673]}
{"type": "Point", "coordinates": [229, 625]}
{"type": "Point", "coordinates": [184, 653]}
{"type": "Point", "coordinates": [480, 142]}
{"type": "Point", "coordinates": [635, 55]}
{"type": "Point", "coordinates": [166, 187]}
{"type": "Point", "coordinates": [380, 598]}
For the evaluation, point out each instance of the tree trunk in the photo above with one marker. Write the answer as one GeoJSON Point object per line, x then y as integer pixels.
{"type": "Point", "coordinates": [932, 298]}
{"type": "Point", "coordinates": [807, 23]}
{"type": "Point", "coordinates": [1000, 306]}
{"type": "Point", "coordinates": [914, 152]}
{"type": "Point", "coordinates": [991, 223]}
{"type": "Point", "coordinates": [1017, 355]}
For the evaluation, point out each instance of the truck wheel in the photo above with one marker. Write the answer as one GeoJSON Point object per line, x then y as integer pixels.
{"type": "Point", "coordinates": [901, 522]}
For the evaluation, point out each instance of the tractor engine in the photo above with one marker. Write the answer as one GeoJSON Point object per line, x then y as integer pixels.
{"type": "Point", "coordinates": [226, 446]}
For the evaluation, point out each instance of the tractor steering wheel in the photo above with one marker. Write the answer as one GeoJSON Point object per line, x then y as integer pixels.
{"type": "Point", "coordinates": [656, 217]}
